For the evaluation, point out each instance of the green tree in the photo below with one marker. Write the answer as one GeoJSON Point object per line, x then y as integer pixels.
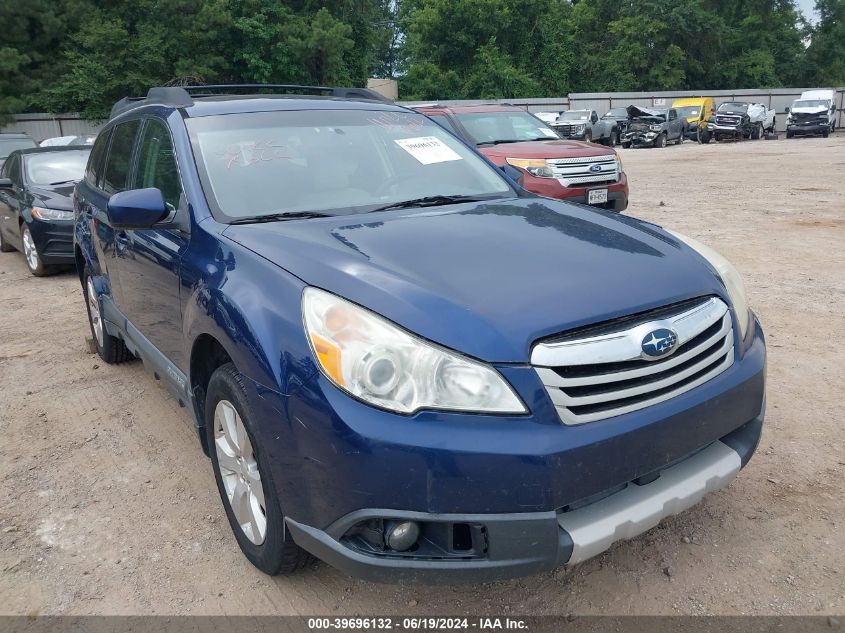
{"type": "Point", "coordinates": [825, 64]}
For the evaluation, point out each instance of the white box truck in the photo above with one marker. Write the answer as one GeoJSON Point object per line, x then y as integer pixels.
{"type": "Point", "coordinates": [813, 113]}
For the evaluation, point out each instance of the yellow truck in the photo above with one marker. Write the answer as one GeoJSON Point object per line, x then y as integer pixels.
{"type": "Point", "coordinates": [696, 111]}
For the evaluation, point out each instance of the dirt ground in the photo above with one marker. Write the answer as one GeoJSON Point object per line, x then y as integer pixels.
{"type": "Point", "coordinates": [108, 505]}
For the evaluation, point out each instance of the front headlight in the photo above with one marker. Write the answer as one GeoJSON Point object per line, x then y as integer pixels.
{"type": "Point", "coordinates": [730, 277]}
{"type": "Point", "coordinates": [654, 128]}
{"type": "Point", "coordinates": [535, 166]}
{"type": "Point", "coordinates": [43, 213]}
{"type": "Point", "coordinates": [383, 365]}
{"type": "Point", "coordinates": [618, 161]}
{"type": "Point", "coordinates": [580, 128]}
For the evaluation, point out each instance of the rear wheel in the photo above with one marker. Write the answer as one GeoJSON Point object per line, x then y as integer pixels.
{"type": "Point", "coordinates": [240, 469]}
{"type": "Point", "coordinates": [110, 348]}
{"type": "Point", "coordinates": [757, 132]}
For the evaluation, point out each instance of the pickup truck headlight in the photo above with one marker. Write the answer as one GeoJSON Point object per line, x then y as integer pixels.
{"type": "Point", "coordinates": [383, 365]}
{"type": "Point", "coordinates": [535, 166]}
{"type": "Point", "coordinates": [42, 213]}
{"type": "Point", "coordinates": [730, 277]}
{"type": "Point", "coordinates": [654, 128]}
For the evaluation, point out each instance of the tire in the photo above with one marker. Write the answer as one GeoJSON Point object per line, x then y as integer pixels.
{"type": "Point", "coordinates": [588, 136]}
{"type": "Point", "coordinates": [660, 141]}
{"type": "Point", "coordinates": [789, 135]}
{"type": "Point", "coordinates": [626, 145]}
{"type": "Point", "coordinates": [31, 255]}
{"type": "Point", "coordinates": [680, 138]}
{"type": "Point", "coordinates": [614, 138]}
{"type": "Point", "coordinates": [825, 134]}
{"type": "Point", "coordinates": [5, 247]}
{"type": "Point", "coordinates": [757, 132]}
{"type": "Point", "coordinates": [231, 427]}
{"type": "Point", "coordinates": [110, 348]}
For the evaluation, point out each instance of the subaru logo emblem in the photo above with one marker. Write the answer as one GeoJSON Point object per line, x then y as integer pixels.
{"type": "Point", "coordinates": [595, 168]}
{"type": "Point", "coordinates": [659, 343]}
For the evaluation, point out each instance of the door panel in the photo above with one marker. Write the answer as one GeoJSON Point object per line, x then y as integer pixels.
{"type": "Point", "coordinates": [10, 203]}
{"type": "Point", "coordinates": [149, 259]}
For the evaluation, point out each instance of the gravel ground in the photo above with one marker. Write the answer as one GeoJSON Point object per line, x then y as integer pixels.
{"type": "Point", "coordinates": [108, 505]}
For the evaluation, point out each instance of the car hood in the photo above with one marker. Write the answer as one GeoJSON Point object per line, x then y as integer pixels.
{"type": "Point", "coordinates": [55, 197]}
{"type": "Point", "coordinates": [543, 149]}
{"type": "Point", "coordinates": [488, 279]}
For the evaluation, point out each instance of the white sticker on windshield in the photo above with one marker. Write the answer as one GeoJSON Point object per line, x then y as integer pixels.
{"type": "Point", "coordinates": [546, 131]}
{"type": "Point", "coordinates": [428, 149]}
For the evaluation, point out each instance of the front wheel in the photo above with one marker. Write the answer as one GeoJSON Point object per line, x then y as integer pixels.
{"type": "Point", "coordinates": [703, 136]}
{"type": "Point", "coordinates": [660, 141]}
{"type": "Point", "coordinates": [614, 138]}
{"type": "Point", "coordinates": [31, 255]}
{"type": "Point", "coordinates": [588, 136]}
{"type": "Point", "coordinates": [241, 471]}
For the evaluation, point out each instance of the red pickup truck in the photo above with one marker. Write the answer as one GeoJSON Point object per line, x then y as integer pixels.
{"type": "Point", "coordinates": [574, 171]}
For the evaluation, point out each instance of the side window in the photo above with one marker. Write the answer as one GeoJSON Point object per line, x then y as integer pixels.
{"type": "Point", "coordinates": [116, 177]}
{"type": "Point", "coordinates": [14, 170]}
{"type": "Point", "coordinates": [157, 163]}
{"type": "Point", "coordinates": [94, 170]}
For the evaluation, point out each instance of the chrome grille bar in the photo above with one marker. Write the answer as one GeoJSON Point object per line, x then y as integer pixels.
{"type": "Point", "coordinates": [598, 377]}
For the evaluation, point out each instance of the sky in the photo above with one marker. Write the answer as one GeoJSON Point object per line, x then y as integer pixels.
{"type": "Point", "coordinates": [806, 7]}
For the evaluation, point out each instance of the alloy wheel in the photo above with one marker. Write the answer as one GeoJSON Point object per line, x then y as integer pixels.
{"type": "Point", "coordinates": [94, 311]}
{"type": "Point", "coordinates": [239, 472]}
{"type": "Point", "coordinates": [29, 250]}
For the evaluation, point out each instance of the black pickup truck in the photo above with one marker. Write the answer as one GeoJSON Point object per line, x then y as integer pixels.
{"type": "Point", "coordinates": [648, 127]}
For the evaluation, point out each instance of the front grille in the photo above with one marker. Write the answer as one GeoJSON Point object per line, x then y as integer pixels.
{"type": "Point", "coordinates": [603, 372]}
{"type": "Point", "coordinates": [566, 130]}
{"type": "Point", "coordinates": [579, 170]}
{"type": "Point", "coordinates": [731, 121]}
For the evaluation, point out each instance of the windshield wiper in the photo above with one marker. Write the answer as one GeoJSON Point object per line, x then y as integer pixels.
{"type": "Point", "coordinates": [279, 217]}
{"type": "Point", "coordinates": [62, 182]}
{"type": "Point", "coordinates": [520, 140]}
{"type": "Point", "coordinates": [427, 201]}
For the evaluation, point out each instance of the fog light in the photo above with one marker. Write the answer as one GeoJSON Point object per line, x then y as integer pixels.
{"type": "Point", "coordinates": [400, 536]}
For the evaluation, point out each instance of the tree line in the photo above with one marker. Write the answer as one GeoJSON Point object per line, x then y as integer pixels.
{"type": "Point", "coordinates": [82, 55]}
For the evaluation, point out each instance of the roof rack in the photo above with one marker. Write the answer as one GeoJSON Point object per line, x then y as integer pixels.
{"type": "Point", "coordinates": [183, 96]}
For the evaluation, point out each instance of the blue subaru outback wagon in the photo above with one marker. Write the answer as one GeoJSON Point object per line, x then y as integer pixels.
{"type": "Point", "coordinates": [397, 359]}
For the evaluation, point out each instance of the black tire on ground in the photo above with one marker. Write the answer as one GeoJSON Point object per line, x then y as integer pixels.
{"type": "Point", "coordinates": [771, 137]}
{"type": "Point", "coordinates": [680, 138]}
{"type": "Point", "coordinates": [825, 134]}
{"type": "Point", "coordinates": [588, 136]}
{"type": "Point", "coordinates": [277, 553]}
{"type": "Point", "coordinates": [40, 269]}
{"type": "Point", "coordinates": [5, 247]}
{"type": "Point", "coordinates": [757, 132]}
{"type": "Point", "coordinates": [789, 135]}
{"type": "Point", "coordinates": [704, 136]}
{"type": "Point", "coordinates": [112, 349]}
{"type": "Point", "coordinates": [660, 141]}
{"type": "Point", "coordinates": [626, 145]}
{"type": "Point", "coordinates": [614, 138]}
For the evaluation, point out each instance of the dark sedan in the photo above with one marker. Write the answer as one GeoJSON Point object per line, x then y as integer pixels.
{"type": "Point", "coordinates": [36, 212]}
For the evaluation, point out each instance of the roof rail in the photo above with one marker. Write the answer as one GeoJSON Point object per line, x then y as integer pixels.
{"type": "Point", "coordinates": [183, 96]}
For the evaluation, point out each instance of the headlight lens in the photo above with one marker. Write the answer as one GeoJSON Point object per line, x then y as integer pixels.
{"type": "Point", "coordinates": [619, 161]}
{"type": "Point", "coordinates": [537, 167]}
{"type": "Point", "coordinates": [43, 213]}
{"type": "Point", "coordinates": [730, 277]}
{"type": "Point", "coordinates": [654, 128]}
{"type": "Point", "coordinates": [385, 366]}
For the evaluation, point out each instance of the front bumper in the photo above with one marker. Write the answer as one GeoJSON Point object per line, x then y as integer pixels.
{"type": "Point", "coordinates": [524, 544]}
{"type": "Point", "coordinates": [54, 240]}
{"type": "Point", "coordinates": [808, 128]}
{"type": "Point", "coordinates": [617, 192]}
{"type": "Point", "coordinates": [541, 493]}
{"type": "Point", "coordinates": [640, 138]}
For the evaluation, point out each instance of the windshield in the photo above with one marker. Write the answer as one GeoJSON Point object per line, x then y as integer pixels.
{"type": "Point", "coordinates": [733, 108]}
{"type": "Point", "coordinates": [56, 167]}
{"type": "Point", "coordinates": [810, 103]}
{"type": "Point", "coordinates": [9, 145]}
{"type": "Point", "coordinates": [334, 162]}
{"type": "Point", "coordinates": [508, 126]}
{"type": "Point", "coordinates": [574, 115]}
{"type": "Point", "coordinates": [688, 112]}
{"type": "Point", "coordinates": [616, 113]}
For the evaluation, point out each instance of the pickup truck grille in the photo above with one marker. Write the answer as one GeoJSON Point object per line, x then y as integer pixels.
{"type": "Point", "coordinates": [593, 170]}
{"type": "Point", "coordinates": [601, 371]}
{"type": "Point", "coordinates": [731, 121]}
{"type": "Point", "coordinates": [566, 129]}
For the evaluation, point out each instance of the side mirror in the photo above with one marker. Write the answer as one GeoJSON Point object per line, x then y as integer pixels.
{"type": "Point", "coordinates": [5, 183]}
{"type": "Point", "coordinates": [137, 209]}
{"type": "Point", "coordinates": [513, 173]}
{"type": "Point", "coordinates": [594, 117]}
{"type": "Point", "coordinates": [786, 109]}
